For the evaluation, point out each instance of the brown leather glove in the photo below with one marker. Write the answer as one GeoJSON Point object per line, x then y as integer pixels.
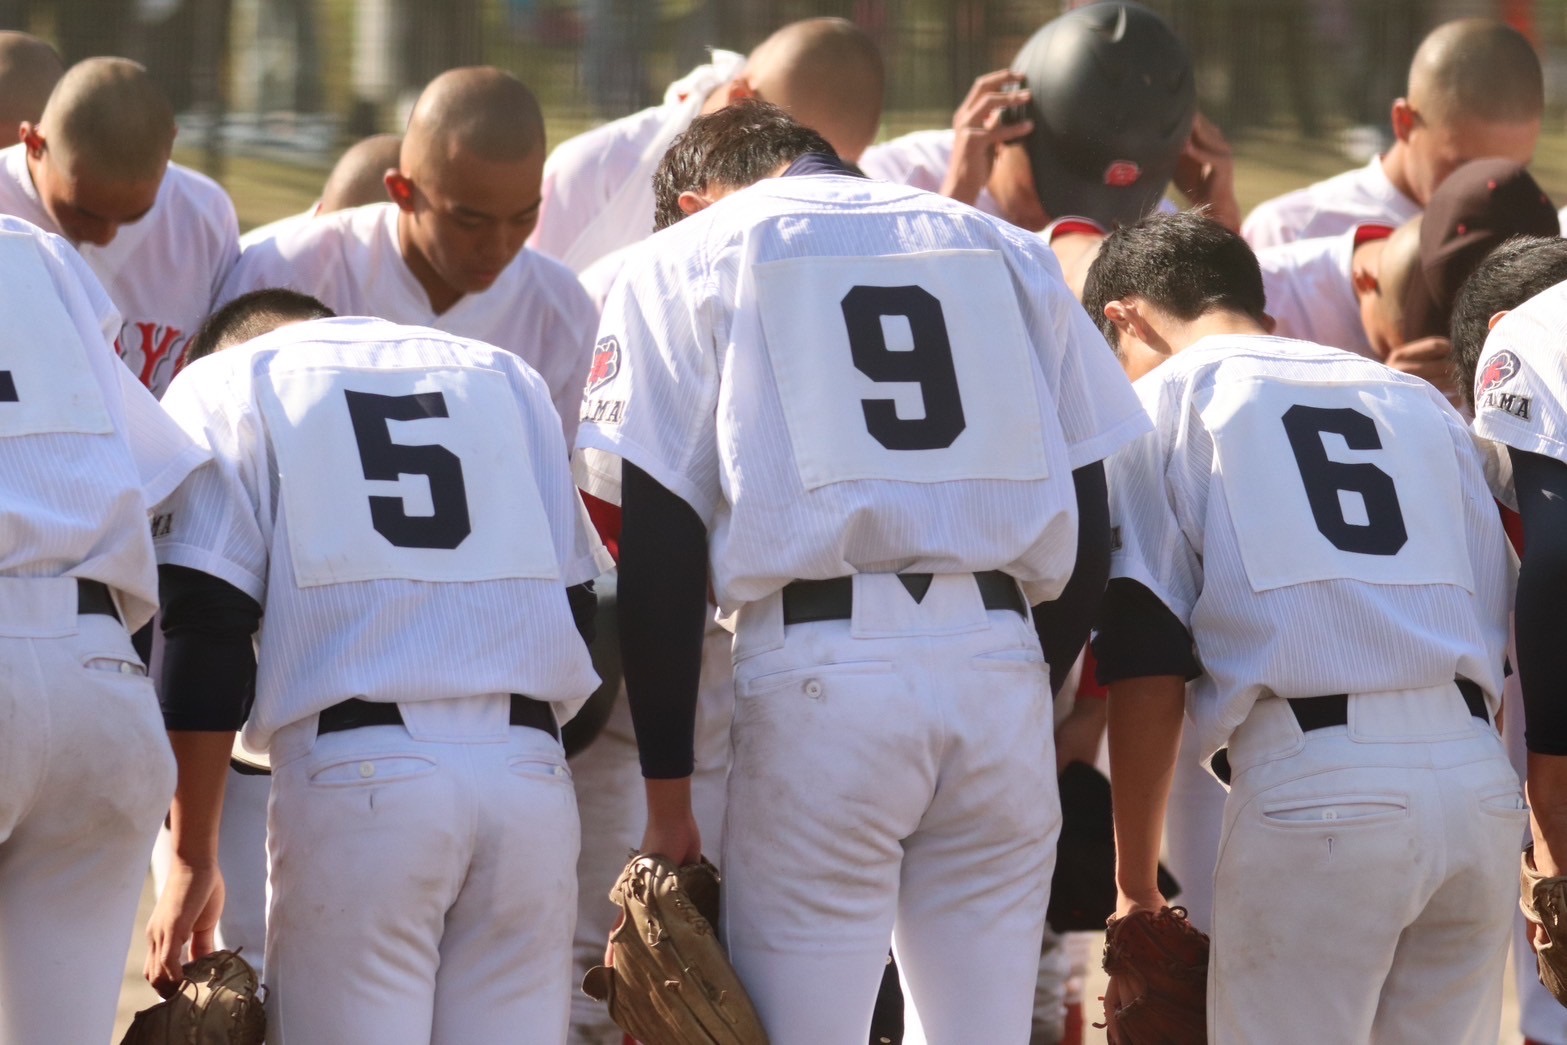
{"type": "Point", "coordinates": [1158, 992]}
{"type": "Point", "coordinates": [218, 1003]}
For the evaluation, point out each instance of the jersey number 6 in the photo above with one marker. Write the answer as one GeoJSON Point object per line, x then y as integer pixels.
{"type": "Point", "coordinates": [1327, 481]}
{"type": "Point", "coordinates": [928, 364]}
{"type": "Point", "coordinates": [448, 525]}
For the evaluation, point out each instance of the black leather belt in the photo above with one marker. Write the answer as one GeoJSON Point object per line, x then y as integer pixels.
{"type": "Point", "coordinates": [806, 601]}
{"type": "Point", "coordinates": [1333, 710]}
{"type": "Point", "coordinates": [356, 713]}
{"type": "Point", "coordinates": [94, 597]}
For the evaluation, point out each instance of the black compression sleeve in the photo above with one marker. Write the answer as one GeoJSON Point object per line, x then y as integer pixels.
{"type": "Point", "coordinates": [1064, 622]}
{"type": "Point", "coordinates": [1139, 637]}
{"type": "Point", "coordinates": [584, 606]}
{"type": "Point", "coordinates": [1542, 588]}
{"type": "Point", "coordinates": [209, 664]}
{"type": "Point", "coordinates": [662, 603]}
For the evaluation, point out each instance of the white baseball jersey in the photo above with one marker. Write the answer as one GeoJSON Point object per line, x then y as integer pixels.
{"type": "Point", "coordinates": [350, 260]}
{"type": "Point", "coordinates": [598, 186]}
{"type": "Point", "coordinates": [161, 272]}
{"type": "Point", "coordinates": [841, 375]}
{"type": "Point", "coordinates": [1521, 378]}
{"type": "Point", "coordinates": [400, 502]}
{"type": "Point", "coordinates": [1310, 286]}
{"type": "Point", "coordinates": [84, 449]}
{"type": "Point", "coordinates": [1561, 216]}
{"type": "Point", "coordinates": [920, 160]}
{"type": "Point", "coordinates": [273, 229]}
{"type": "Point", "coordinates": [1329, 207]}
{"type": "Point", "coordinates": [1307, 549]}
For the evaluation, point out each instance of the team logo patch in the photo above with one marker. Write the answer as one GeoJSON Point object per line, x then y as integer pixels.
{"type": "Point", "coordinates": [606, 362]}
{"type": "Point", "coordinates": [1501, 368]}
{"type": "Point", "coordinates": [1122, 173]}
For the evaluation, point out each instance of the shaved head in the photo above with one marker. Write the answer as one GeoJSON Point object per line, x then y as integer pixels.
{"type": "Point", "coordinates": [828, 75]}
{"type": "Point", "coordinates": [108, 119]}
{"type": "Point", "coordinates": [479, 112]}
{"type": "Point", "coordinates": [359, 177]}
{"type": "Point", "coordinates": [1477, 69]}
{"type": "Point", "coordinates": [467, 182]}
{"type": "Point", "coordinates": [1398, 265]}
{"type": "Point", "coordinates": [29, 69]}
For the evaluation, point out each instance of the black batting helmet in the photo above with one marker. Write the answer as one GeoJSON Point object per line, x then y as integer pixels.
{"type": "Point", "coordinates": [1112, 103]}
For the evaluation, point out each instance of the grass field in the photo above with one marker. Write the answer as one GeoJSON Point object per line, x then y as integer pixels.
{"type": "Point", "coordinates": [1266, 165]}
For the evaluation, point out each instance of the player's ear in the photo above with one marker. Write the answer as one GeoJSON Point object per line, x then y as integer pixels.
{"type": "Point", "coordinates": [741, 88]}
{"type": "Point", "coordinates": [28, 134]}
{"type": "Point", "coordinates": [1403, 119]}
{"type": "Point", "coordinates": [1365, 280]}
{"type": "Point", "coordinates": [1490, 324]}
{"type": "Point", "coordinates": [689, 203]}
{"type": "Point", "coordinates": [1269, 324]}
{"type": "Point", "coordinates": [401, 189]}
{"type": "Point", "coordinates": [1128, 322]}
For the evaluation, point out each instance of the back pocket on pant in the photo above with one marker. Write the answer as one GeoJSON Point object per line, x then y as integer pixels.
{"type": "Point", "coordinates": [1316, 810]}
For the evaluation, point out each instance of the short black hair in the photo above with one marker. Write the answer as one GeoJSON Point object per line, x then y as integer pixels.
{"type": "Point", "coordinates": [736, 146]}
{"type": "Point", "coordinates": [251, 315]}
{"type": "Point", "coordinates": [1510, 275]}
{"type": "Point", "coordinates": [1185, 265]}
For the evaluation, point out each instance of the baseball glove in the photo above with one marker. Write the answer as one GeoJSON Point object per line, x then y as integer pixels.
{"type": "Point", "coordinates": [1158, 966]}
{"type": "Point", "coordinates": [218, 1003]}
{"type": "Point", "coordinates": [1544, 902]}
{"type": "Point", "coordinates": [666, 978]}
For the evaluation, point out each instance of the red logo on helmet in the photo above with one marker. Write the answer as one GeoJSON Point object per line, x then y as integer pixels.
{"type": "Point", "coordinates": [1122, 173]}
{"type": "Point", "coordinates": [606, 362]}
{"type": "Point", "coordinates": [1502, 366]}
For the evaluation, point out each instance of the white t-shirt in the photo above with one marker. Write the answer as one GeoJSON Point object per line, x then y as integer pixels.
{"type": "Point", "coordinates": [161, 272]}
{"type": "Point", "coordinates": [598, 186]}
{"type": "Point", "coordinates": [1363, 195]}
{"type": "Point", "coordinates": [1319, 522]}
{"type": "Point", "coordinates": [842, 376]}
{"type": "Point", "coordinates": [350, 260]}
{"type": "Point", "coordinates": [273, 229]}
{"type": "Point", "coordinates": [1310, 286]}
{"type": "Point", "coordinates": [84, 449]}
{"type": "Point", "coordinates": [1521, 378]}
{"type": "Point", "coordinates": [399, 501]}
{"type": "Point", "coordinates": [920, 160]}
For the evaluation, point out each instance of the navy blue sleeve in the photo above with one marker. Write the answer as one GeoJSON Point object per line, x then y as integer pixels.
{"type": "Point", "coordinates": [209, 663]}
{"type": "Point", "coordinates": [663, 607]}
{"type": "Point", "coordinates": [1139, 637]}
{"type": "Point", "coordinates": [1064, 623]}
{"type": "Point", "coordinates": [1542, 587]}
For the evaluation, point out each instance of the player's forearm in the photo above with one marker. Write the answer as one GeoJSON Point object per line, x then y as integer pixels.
{"type": "Point", "coordinates": [1145, 736]}
{"type": "Point", "coordinates": [197, 809]}
{"type": "Point", "coordinates": [662, 606]}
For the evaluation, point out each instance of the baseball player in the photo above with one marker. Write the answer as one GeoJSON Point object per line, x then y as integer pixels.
{"type": "Point", "coordinates": [1509, 276]}
{"type": "Point", "coordinates": [1388, 294]}
{"type": "Point", "coordinates": [597, 192]}
{"type": "Point", "coordinates": [357, 179]}
{"type": "Point", "coordinates": [29, 69]}
{"type": "Point", "coordinates": [242, 833]}
{"type": "Point", "coordinates": [85, 773]}
{"type": "Point", "coordinates": [447, 252]}
{"type": "Point", "coordinates": [418, 656]}
{"type": "Point", "coordinates": [1475, 89]}
{"type": "Point", "coordinates": [819, 453]}
{"type": "Point", "coordinates": [161, 238]}
{"type": "Point", "coordinates": [1342, 624]}
{"type": "Point", "coordinates": [1030, 143]}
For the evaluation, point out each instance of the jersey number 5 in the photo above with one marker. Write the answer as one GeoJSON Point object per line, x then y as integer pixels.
{"type": "Point", "coordinates": [382, 459]}
{"type": "Point", "coordinates": [928, 364]}
{"type": "Point", "coordinates": [1328, 481]}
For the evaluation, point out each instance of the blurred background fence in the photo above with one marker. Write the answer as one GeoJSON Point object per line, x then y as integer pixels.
{"type": "Point", "coordinates": [289, 81]}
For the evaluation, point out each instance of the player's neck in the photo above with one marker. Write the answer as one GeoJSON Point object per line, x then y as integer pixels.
{"type": "Point", "coordinates": [1213, 324]}
{"type": "Point", "coordinates": [441, 295]}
